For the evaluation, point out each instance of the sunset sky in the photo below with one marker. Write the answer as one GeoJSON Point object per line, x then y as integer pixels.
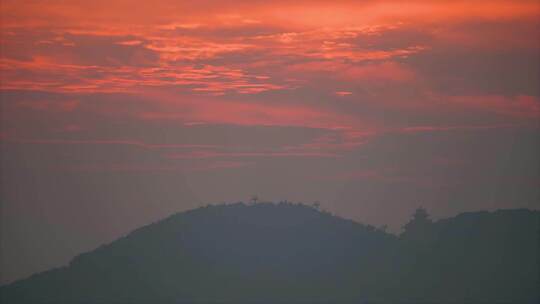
{"type": "Point", "coordinates": [117, 113]}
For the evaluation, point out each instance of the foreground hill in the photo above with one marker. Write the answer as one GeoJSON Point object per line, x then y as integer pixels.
{"type": "Point", "coordinates": [478, 257]}
{"type": "Point", "coordinates": [285, 253]}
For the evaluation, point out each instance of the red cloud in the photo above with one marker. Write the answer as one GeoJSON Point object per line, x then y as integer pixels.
{"type": "Point", "coordinates": [248, 64]}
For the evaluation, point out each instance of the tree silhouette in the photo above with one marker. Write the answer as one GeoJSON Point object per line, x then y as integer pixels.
{"type": "Point", "coordinates": [272, 253]}
{"type": "Point", "coordinates": [419, 227]}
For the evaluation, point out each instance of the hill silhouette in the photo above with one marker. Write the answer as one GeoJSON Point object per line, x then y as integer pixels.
{"type": "Point", "coordinates": [293, 253]}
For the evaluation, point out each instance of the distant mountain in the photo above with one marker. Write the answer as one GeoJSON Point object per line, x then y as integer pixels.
{"type": "Point", "coordinates": [292, 253]}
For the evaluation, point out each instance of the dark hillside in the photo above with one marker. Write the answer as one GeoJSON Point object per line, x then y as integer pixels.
{"type": "Point", "coordinates": [478, 256]}
{"type": "Point", "coordinates": [291, 253]}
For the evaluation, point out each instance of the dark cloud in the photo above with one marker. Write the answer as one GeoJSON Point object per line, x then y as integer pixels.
{"type": "Point", "coordinates": [478, 58]}
{"type": "Point", "coordinates": [241, 32]}
{"type": "Point", "coordinates": [393, 38]}
{"type": "Point", "coordinates": [109, 51]}
{"type": "Point", "coordinates": [77, 49]}
{"type": "Point", "coordinates": [459, 71]}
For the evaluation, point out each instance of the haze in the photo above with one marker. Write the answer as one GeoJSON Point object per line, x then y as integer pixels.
{"type": "Point", "coordinates": [115, 114]}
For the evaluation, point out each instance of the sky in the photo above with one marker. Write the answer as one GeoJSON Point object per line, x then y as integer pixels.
{"type": "Point", "coordinates": [115, 114]}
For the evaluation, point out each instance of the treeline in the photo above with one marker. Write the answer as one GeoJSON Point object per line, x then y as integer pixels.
{"type": "Point", "coordinates": [293, 253]}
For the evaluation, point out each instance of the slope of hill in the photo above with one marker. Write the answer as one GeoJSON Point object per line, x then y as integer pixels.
{"type": "Point", "coordinates": [287, 253]}
{"type": "Point", "coordinates": [477, 257]}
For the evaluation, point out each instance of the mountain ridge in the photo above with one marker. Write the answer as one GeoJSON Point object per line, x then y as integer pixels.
{"type": "Point", "coordinates": [292, 253]}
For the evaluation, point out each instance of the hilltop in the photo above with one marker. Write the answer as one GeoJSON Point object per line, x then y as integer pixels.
{"type": "Point", "coordinates": [293, 253]}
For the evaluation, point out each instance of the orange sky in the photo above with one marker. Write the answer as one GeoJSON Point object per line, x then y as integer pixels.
{"type": "Point", "coordinates": [209, 48]}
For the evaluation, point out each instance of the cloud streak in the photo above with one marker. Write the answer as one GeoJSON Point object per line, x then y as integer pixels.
{"type": "Point", "coordinates": [364, 69]}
